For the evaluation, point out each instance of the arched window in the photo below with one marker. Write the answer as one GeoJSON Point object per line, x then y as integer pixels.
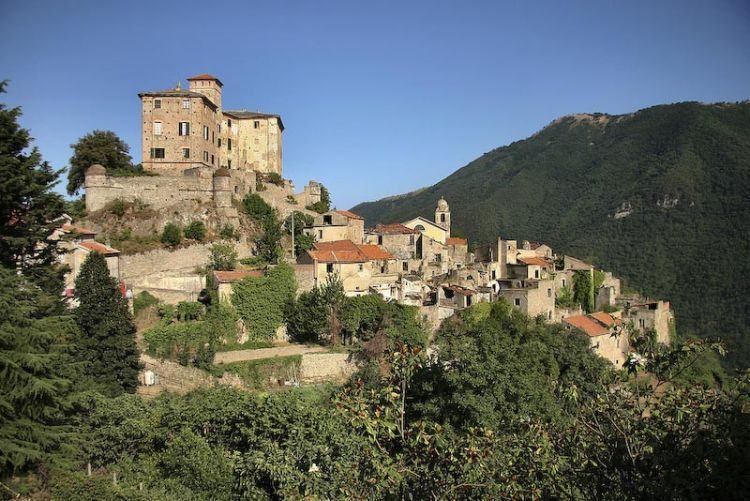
{"type": "Point", "coordinates": [419, 227]}
{"type": "Point", "coordinates": [442, 218]}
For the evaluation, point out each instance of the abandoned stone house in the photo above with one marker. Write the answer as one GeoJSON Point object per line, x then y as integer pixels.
{"type": "Point", "coordinates": [337, 225]}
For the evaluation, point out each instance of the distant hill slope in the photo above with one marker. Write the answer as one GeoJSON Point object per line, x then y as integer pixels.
{"type": "Point", "coordinates": [682, 169]}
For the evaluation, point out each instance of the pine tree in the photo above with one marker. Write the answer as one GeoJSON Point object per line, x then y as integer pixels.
{"type": "Point", "coordinates": [107, 329]}
{"type": "Point", "coordinates": [36, 371]}
{"type": "Point", "coordinates": [28, 206]}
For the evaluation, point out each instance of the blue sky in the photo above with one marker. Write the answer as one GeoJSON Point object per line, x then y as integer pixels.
{"type": "Point", "coordinates": [378, 97]}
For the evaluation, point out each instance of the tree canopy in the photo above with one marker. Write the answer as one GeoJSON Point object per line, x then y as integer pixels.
{"type": "Point", "coordinates": [101, 147]}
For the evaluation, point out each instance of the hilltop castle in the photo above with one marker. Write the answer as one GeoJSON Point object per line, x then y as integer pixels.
{"type": "Point", "coordinates": [188, 128]}
{"type": "Point", "coordinates": [195, 150]}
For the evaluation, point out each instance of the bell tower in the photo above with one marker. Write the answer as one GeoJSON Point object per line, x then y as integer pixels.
{"type": "Point", "coordinates": [443, 215]}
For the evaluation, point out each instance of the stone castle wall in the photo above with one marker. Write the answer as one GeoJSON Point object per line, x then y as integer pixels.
{"type": "Point", "coordinates": [166, 190]}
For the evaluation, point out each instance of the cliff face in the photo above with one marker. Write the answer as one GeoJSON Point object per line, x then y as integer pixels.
{"type": "Point", "coordinates": [661, 197]}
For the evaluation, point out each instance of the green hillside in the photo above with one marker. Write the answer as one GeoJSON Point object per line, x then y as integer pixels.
{"type": "Point", "coordinates": [564, 184]}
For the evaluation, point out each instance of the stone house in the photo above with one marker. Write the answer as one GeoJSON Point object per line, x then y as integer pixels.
{"type": "Point", "coordinates": [455, 296]}
{"type": "Point", "coordinates": [342, 258]}
{"type": "Point", "coordinates": [652, 315]}
{"type": "Point", "coordinates": [606, 335]}
{"type": "Point", "coordinates": [532, 297]}
{"type": "Point", "coordinates": [223, 281]}
{"type": "Point", "coordinates": [397, 239]}
{"type": "Point", "coordinates": [77, 243]}
{"type": "Point", "coordinates": [458, 251]}
{"type": "Point", "coordinates": [337, 225]}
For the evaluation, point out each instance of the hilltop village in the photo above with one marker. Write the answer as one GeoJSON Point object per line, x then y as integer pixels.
{"type": "Point", "coordinates": [201, 161]}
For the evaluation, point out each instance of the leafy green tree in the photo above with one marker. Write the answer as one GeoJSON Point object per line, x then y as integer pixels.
{"type": "Point", "coordinates": [324, 205]}
{"type": "Point", "coordinates": [98, 147]}
{"type": "Point", "coordinates": [196, 230]}
{"type": "Point", "coordinates": [257, 208]}
{"type": "Point", "coordinates": [171, 235]}
{"type": "Point", "coordinates": [503, 366]}
{"type": "Point", "coordinates": [223, 257]}
{"type": "Point", "coordinates": [269, 244]}
{"type": "Point", "coordinates": [28, 206]}
{"type": "Point", "coordinates": [36, 369]}
{"type": "Point", "coordinates": [108, 333]}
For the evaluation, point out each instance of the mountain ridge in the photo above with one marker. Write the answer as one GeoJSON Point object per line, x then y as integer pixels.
{"type": "Point", "coordinates": [658, 196]}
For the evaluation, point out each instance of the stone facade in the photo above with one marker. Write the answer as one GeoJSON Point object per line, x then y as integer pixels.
{"type": "Point", "coordinates": [251, 141]}
{"type": "Point", "coordinates": [183, 129]}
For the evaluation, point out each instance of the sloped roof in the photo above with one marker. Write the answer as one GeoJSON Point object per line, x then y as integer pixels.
{"type": "Point", "coordinates": [535, 261]}
{"type": "Point", "coordinates": [205, 76]}
{"type": "Point", "coordinates": [224, 277]}
{"type": "Point", "coordinates": [394, 229]}
{"type": "Point", "coordinates": [604, 318]}
{"type": "Point", "coordinates": [337, 251]}
{"type": "Point", "coordinates": [587, 325]}
{"type": "Point", "coordinates": [459, 290]}
{"type": "Point", "coordinates": [375, 253]}
{"type": "Point", "coordinates": [348, 214]}
{"type": "Point", "coordinates": [102, 249]}
{"type": "Point", "coordinates": [78, 230]}
{"type": "Point", "coordinates": [456, 241]}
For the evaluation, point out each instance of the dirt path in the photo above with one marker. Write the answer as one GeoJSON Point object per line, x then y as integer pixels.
{"type": "Point", "coordinates": [226, 357]}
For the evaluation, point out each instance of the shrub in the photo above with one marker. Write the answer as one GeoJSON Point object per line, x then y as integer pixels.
{"type": "Point", "coordinates": [257, 373]}
{"type": "Point", "coordinates": [275, 178]}
{"type": "Point", "coordinates": [254, 262]}
{"type": "Point", "coordinates": [257, 208]}
{"type": "Point", "coordinates": [116, 207]}
{"type": "Point", "coordinates": [171, 235]}
{"type": "Point", "coordinates": [189, 310]}
{"type": "Point", "coordinates": [223, 257]}
{"type": "Point", "coordinates": [228, 232]}
{"type": "Point", "coordinates": [143, 301]}
{"type": "Point", "coordinates": [196, 230]}
{"type": "Point", "coordinates": [291, 200]}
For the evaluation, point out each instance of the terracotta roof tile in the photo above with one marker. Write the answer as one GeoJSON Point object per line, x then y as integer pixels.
{"type": "Point", "coordinates": [349, 214]}
{"type": "Point", "coordinates": [535, 261]}
{"type": "Point", "coordinates": [337, 251]}
{"type": "Point", "coordinates": [375, 253]}
{"type": "Point", "coordinates": [224, 277]}
{"type": "Point", "coordinates": [394, 229]}
{"type": "Point", "coordinates": [79, 230]}
{"type": "Point", "coordinates": [456, 241]}
{"type": "Point", "coordinates": [604, 318]}
{"type": "Point", "coordinates": [588, 325]}
{"type": "Point", "coordinates": [205, 76]}
{"type": "Point", "coordinates": [95, 246]}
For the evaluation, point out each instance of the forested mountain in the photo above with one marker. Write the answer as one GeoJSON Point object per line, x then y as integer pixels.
{"type": "Point", "coordinates": [680, 176]}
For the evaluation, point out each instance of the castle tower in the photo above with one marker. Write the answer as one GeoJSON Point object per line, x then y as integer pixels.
{"type": "Point", "coordinates": [443, 215]}
{"type": "Point", "coordinates": [96, 186]}
{"type": "Point", "coordinates": [222, 188]}
{"type": "Point", "coordinates": [209, 86]}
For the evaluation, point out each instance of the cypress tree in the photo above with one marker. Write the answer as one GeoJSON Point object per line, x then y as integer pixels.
{"type": "Point", "coordinates": [107, 329]}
